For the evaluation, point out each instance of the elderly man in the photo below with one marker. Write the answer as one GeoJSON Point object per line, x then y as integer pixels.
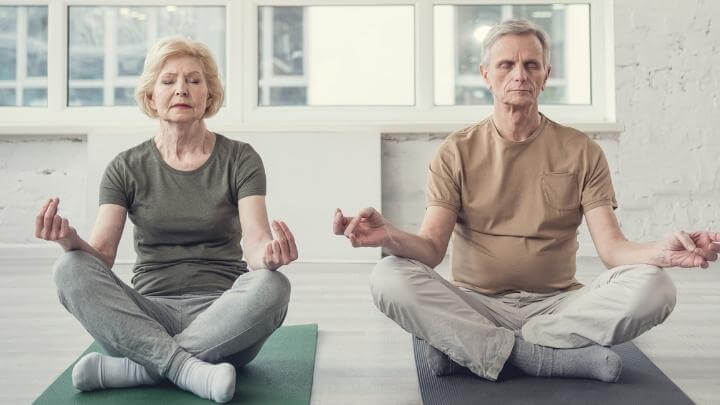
{"type": "Point", "coordinates": [513, 189]}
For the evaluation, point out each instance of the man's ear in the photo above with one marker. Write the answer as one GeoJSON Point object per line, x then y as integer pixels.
{"type": "Point", "coordinates": [547, 76]}
{"type": "Point", "coordinates": [484, 73]}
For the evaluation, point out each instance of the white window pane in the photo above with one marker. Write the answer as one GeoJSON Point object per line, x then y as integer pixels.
{"type": "Point", "coordinates": [107, 46]}
{"type": "Point", "coordinates": [89, 96]}
{"type": "Point", "coordinates": [35, 97]}
{"type": "Point", "coordinates": [7, 97]}
{"type": "Point", "coordinates": [460, 30]}
{"type": "Point", "coordinates": [23, 55]}
{"type": "Point", "coordinates": [8, 43]}
{"type": "Point", "coordinates": [336, 55]}
{"type": "Point", "coordinates": [124, 96]}
{"type": "Point", "coordinates": [37, 37]}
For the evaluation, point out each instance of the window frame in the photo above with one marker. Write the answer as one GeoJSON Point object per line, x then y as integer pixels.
{"type": "Point", "coordinates": [241, 108]}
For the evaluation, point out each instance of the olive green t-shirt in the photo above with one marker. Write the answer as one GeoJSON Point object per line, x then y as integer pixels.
{"type": "Point", "coordinates": [187, 228]}
{"type": "Point", "coordinates": [518, 204]}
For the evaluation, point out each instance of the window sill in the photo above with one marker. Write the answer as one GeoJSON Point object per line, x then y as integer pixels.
{"type": "Point", "coordinates": [228, 127]}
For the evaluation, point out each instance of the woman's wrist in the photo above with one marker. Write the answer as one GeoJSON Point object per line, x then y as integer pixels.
{"type": "Point", "coordinates": [68, 244]}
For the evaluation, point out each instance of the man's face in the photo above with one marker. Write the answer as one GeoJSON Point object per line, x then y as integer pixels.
{"type": "Point", "coordinates": [516, 74]}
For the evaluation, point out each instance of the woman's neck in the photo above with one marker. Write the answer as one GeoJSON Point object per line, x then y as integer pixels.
{"type": "Point", "coordinates": [176, 140]}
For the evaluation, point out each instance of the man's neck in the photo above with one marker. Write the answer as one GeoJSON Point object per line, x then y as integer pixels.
{"type": "Point", "coordinates": [516, 123]}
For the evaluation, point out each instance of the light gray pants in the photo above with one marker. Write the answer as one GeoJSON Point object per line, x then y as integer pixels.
{"type": "Point", "coordinates": [478, 331]}
{"type": "Point", "coordinates": [160, 333]}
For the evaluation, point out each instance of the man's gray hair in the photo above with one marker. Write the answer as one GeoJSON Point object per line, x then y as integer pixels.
{"type": "Point", "coordinates": [515, 26]}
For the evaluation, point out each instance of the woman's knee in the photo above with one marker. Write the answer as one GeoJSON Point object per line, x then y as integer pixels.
{"type": "Point", "coordinates": [68, 270]}
{"type": "Point", "coordinates": [273, 285]}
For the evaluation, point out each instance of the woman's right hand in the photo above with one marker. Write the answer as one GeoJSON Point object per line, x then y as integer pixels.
{"type": "Point", "coordinates": [51, 226]}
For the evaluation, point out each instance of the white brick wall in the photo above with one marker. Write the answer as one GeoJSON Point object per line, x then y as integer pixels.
{"type": "Point", "coordinates": [33, 169]}
{"type": "Point", "coordinates": [667, 55]}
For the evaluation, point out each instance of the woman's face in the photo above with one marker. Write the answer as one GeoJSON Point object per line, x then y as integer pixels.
{"type": "Point", "coordinates": [180, 93]}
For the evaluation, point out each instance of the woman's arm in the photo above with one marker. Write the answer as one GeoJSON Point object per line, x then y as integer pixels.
{"type": "Point", "coordinates": [261, 250]}
{"type": "Point", "coordinates": [104, 238]}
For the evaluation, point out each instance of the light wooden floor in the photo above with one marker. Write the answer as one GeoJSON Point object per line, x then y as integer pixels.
{"type": "Point", "coordinates": [362, 358]}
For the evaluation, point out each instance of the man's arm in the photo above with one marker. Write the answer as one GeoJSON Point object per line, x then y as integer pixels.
{"type": "Point", "coordinates": [428, 246]}
{"type": "Point", "coordinates": [679, 249]}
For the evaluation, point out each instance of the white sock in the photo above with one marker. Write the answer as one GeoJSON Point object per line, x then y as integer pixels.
{"type": "Point", "coordinates": [96, 371]}
{"type": "Point", "coordinates": [207, 380]}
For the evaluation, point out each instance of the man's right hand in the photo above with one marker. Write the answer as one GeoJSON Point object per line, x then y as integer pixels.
{"type": "Point", "coordinates": [367, 229]}
{"type": "Point", "coordinates": [51, 226]}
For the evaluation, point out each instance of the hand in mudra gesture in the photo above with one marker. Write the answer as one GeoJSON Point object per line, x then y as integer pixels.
{"type": "Point", "coordinates": [282, 250]}
{"type": "Point", "coordinates": [693, 249]}
{"type": "Point", "coordinates": [367, 229]}
{"type": "Point", "coordinates": [49, 225]}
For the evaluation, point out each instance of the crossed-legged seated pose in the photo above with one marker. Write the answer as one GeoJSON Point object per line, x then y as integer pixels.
{"type": "Point", "coordinates": [193, 196]}
{"type": "Point", "coordinates": [512, 190]}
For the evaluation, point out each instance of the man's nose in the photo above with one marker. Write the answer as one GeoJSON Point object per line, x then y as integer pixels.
{"type": "Point", "coordinates": [519, 73]}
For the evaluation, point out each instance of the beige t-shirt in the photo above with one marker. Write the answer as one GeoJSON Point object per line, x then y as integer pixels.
{"type": "Point", "coordinates": [519, 204]}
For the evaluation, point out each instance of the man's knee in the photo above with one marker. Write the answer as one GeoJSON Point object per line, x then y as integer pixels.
{"type": "Point", "coordinates": [391, 280]}
{"type": "Point", "coordinates": [656, 296]}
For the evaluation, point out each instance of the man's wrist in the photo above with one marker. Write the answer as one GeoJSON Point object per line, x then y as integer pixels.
{"type": "Point", "coordinates": [656, 254]}
{"type": "Point", "coordinates": [391, 239]}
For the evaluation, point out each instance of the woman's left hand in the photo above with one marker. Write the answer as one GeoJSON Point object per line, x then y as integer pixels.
{"type": "Point", "coordinates": [281, 250]}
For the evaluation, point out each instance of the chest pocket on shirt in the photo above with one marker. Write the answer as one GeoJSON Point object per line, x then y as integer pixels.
{"type": "Point", "coordinates": [560, 190]}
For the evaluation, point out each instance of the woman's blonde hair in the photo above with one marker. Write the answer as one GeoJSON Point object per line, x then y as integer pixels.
{"type": "Point", "coordinates": [167, 48]}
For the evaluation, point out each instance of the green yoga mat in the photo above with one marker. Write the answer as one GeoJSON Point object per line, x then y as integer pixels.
{"type": "Point", "coordinates": [281, 374]}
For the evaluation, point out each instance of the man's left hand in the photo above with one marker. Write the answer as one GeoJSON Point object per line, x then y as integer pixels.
{"type": "Point", "coordinates": [693, 249]}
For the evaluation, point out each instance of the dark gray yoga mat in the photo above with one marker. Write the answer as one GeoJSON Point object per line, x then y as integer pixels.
{"type": "Point", "coordinates": [641, 382]}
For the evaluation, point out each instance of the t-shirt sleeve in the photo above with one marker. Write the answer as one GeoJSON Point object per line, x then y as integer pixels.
{"type": "Point", "coordinates": [250, 174]}
{"type": "Point", "coordinates": [443, 183]}
{"type": "Point", "coordinates": [597, 187]}
{"type": "Point", "coordinates": [113, 186]}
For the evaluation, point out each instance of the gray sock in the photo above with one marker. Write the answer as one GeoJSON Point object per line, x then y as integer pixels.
{"type": "Point", "coordinates": [594, 362]}
{"type": "Point", "coordinates": [440, 364]}
{"type": "Point", "coordinates": [96, 372]}
{"type": "Point", "coordinates": [206, 380]}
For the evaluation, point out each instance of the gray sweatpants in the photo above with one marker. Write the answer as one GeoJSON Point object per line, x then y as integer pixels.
{"type": "Point", "coordinates": [478, 331]}
{"type": "Point", "coordinates": [160, 333]}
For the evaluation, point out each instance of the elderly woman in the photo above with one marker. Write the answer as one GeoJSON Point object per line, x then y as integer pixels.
{"type": "Point", "coordinates": [191, 194]}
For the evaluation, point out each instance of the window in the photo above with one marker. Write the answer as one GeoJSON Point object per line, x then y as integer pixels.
{"type": "Point", "coordinates": [317, 62]}
{"type": "Point", "coordinates": [336, 55]}
{"type": "Point", "coordinates": [24, 53]}
{"type": "Point", "coordinates": [107, 46]}
{"type": "Point", "coordinates": [460, 30]}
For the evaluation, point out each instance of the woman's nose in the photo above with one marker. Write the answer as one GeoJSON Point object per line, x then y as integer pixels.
{"type": "Point", "coordinates": [181, 90]}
